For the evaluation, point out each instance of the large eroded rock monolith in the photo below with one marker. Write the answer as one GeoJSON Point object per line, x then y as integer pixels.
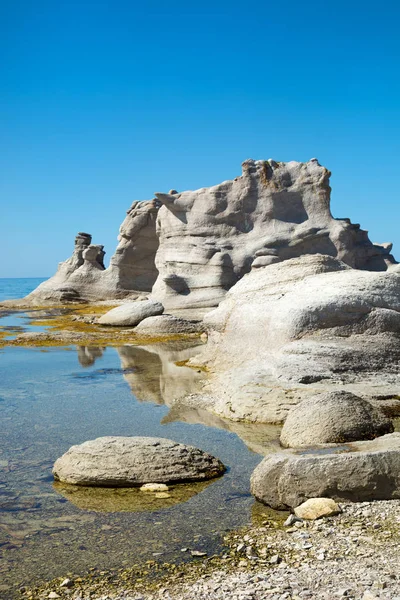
{"type": "Point", "coordinates": [200, 243]}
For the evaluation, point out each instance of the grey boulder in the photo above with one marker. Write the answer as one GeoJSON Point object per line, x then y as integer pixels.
{"type": "Point", "coordinates": [358, 472]}
{"type": "Point", "coordinates": [168, 325]}
{"type": "Point", "coordinates": [131, 313]}
{"type": "Point", "coordinates": [333, 417]}
{"type": "Point", "coordinates": [134, 461]}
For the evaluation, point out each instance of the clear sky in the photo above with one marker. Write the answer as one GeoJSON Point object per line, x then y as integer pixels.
{"type": "Point", "coordinates": [106, 102]}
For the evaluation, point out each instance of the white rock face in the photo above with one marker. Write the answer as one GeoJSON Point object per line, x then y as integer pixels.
{"type": "Point", "coordinates": [364, 471]}
{"type": "Point", "coordinates": [211, 237]}
{"type": "Point", "coordinates": [333, 417]}
{"type": "Point", "coordinates": [134, 461]}
{"type": "Point", "coordinates": [131, 313]}
{"type": "Point", "coordinates": [194, 248]}
{"type": "Point", "coordinates": [132, 271]}
{"type": "Point", "coordinates": [301, 327]}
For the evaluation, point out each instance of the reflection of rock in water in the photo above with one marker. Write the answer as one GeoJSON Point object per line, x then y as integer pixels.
{"type": "Point", "coordinates": [155, 377]}
{"type": "Point", "coordinates": [259, 438]}
{"type": "Point", "coordinates": [127, 499]}
{"type": "Point", "coordinates": [87, 355]}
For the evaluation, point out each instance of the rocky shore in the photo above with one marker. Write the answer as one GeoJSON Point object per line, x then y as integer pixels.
{"type": "Point", "coordinates": [353, 555]}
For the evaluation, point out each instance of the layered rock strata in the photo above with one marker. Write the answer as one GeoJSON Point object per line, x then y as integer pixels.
{"type": "Point", "coordinates": [190, 248]}
{"type": "Point", "coordinates": [298, 328]}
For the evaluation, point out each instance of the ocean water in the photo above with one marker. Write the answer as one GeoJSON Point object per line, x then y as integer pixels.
{"type": "Point", "coordinates": [12, 288]}
{"type": "Point", "coordinates": [52, 398]}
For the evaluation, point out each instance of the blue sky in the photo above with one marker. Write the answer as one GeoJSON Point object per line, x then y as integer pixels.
{"type": "Point", "coordinates": [102, 103]}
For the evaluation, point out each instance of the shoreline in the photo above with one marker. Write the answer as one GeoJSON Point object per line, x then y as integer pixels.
{"type": "Point", "coordinates": [353, 555]}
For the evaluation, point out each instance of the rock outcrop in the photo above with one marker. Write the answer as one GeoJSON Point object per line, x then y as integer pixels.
{"type": "Point", "coordinates": [358, 472]}
{"type": "Point", "coordinates": [332, 418]}
{"type": "Point", "coordinates": [133, 461]}
{"type": "Point", "coordinates": [210, 238]}
{"type": "Point", "coordinates": [199, 244]}
{"type": "Point", "coordinates": [298, 328]}
{"type": "Point", "coordinates": [132, 271]}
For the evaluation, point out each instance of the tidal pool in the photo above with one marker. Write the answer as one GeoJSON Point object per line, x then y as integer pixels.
{"type": "Point", "coordinates": [52, 398]}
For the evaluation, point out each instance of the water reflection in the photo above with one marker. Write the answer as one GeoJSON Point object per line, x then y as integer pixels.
{"type": "Point", "coordinates": [110, 500]}
{"type": "Point", "coordinates": [87, 355]}
{"type": "Point", "coordinates": [153, 374]}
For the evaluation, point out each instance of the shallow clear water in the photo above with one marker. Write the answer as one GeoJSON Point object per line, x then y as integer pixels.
{"type": "Point", "coordinates": [53, 398]}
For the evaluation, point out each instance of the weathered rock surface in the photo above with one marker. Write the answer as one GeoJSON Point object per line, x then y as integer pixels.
{"type": "Point", "coordinates": [363, 471]}
{"type": "Point", "coordinates": [301, 327]}
{"type": "Point", "coordinates": [132, 269]}
{"type": "Point", "coordinates": [211, 237]}
{"type": "Point", "coordinates": [133, 461]}
{"type": "Point", "coordinates": [333, 417]}
{"type": "Point", "coordinates": [168, 325]}
{"type": "Point", "coordinates": [315, 508]}
{"type": "Point", "coordinates": [131, 313]}
{"type": "Point", "coordinates": [200, 243]}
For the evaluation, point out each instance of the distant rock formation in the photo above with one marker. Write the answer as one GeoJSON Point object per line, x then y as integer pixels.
{"type": "Point", "coordinates": [188, 249]}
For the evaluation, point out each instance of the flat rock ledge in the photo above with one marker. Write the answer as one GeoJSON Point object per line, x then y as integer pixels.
{"type": "Point", "coordinates": [134, 461]}
{"type": "Point", "coordinates": [361, 471]}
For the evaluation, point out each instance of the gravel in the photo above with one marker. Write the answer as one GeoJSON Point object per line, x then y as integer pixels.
{"type": "Point", "coordinates": [354, 555]}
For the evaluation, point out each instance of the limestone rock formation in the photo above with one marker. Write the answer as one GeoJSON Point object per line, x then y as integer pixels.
{"type": "Point", "coordinates": [362, 471]}
{"type": "Point", "coordinates": [133, 461]}
{"type": "Point", "coordinates": [211, 237]}
{"type": "Point", "coordinates": [199, 244]}
{"type": "Point", "coordinates": [132, 269]}
{"type": "Point", "coordinates": [298, 328]}
{"type": "Point", "coordinates": [333, 417]}
{"type": "Point", "coordinates": [81, 271]}
{"type": "Point", "coordinates": [131, 313]}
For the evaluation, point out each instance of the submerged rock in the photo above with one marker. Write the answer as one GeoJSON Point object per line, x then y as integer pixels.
{"type": "Point", "coordinates": [357, 472]}
{"type": "Point", "coordinates": [133, 461]}
{"type": "Point", "coordinates": [131, 313]}
{"type": "Point", "coordinates": [333, 417]}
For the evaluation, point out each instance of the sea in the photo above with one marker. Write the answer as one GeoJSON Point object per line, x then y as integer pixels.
{"type": "Point", "coordinates": [54, 397]}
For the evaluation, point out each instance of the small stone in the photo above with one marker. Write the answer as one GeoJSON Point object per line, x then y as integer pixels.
{"type": "Point", "coordinates": [198, 553]}
{"type": "Point", "coordinates": [154, 487]}
{"type": "Point", "coordinates": [53, 595]}
{"type": "Point", "coordinates": [369, 596]}
{"type": "Point", "coordinates": [291, 520]}
{"type": "Point", "coordinates": [315, 508]}
{"type": "Point", "coordinates": [162, 495]}
{"type": "Point", "coordinates": [67, 583]}
{"type": "Point", "coordinates": [275, 559]}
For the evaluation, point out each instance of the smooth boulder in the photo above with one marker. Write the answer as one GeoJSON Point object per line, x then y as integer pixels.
{"type": "Point", "coordinates": [357, 472]}
{"type": "Point", "coordinates": [134, 461]}
{"type": "Point", "coordinates": [131, 313]}
{"type": "Point", "coordinates": [168, 325]}
{"type": "Point", "coordinates": [315, 508]}
{"type": "Point", "coordinates": [333, 417]}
